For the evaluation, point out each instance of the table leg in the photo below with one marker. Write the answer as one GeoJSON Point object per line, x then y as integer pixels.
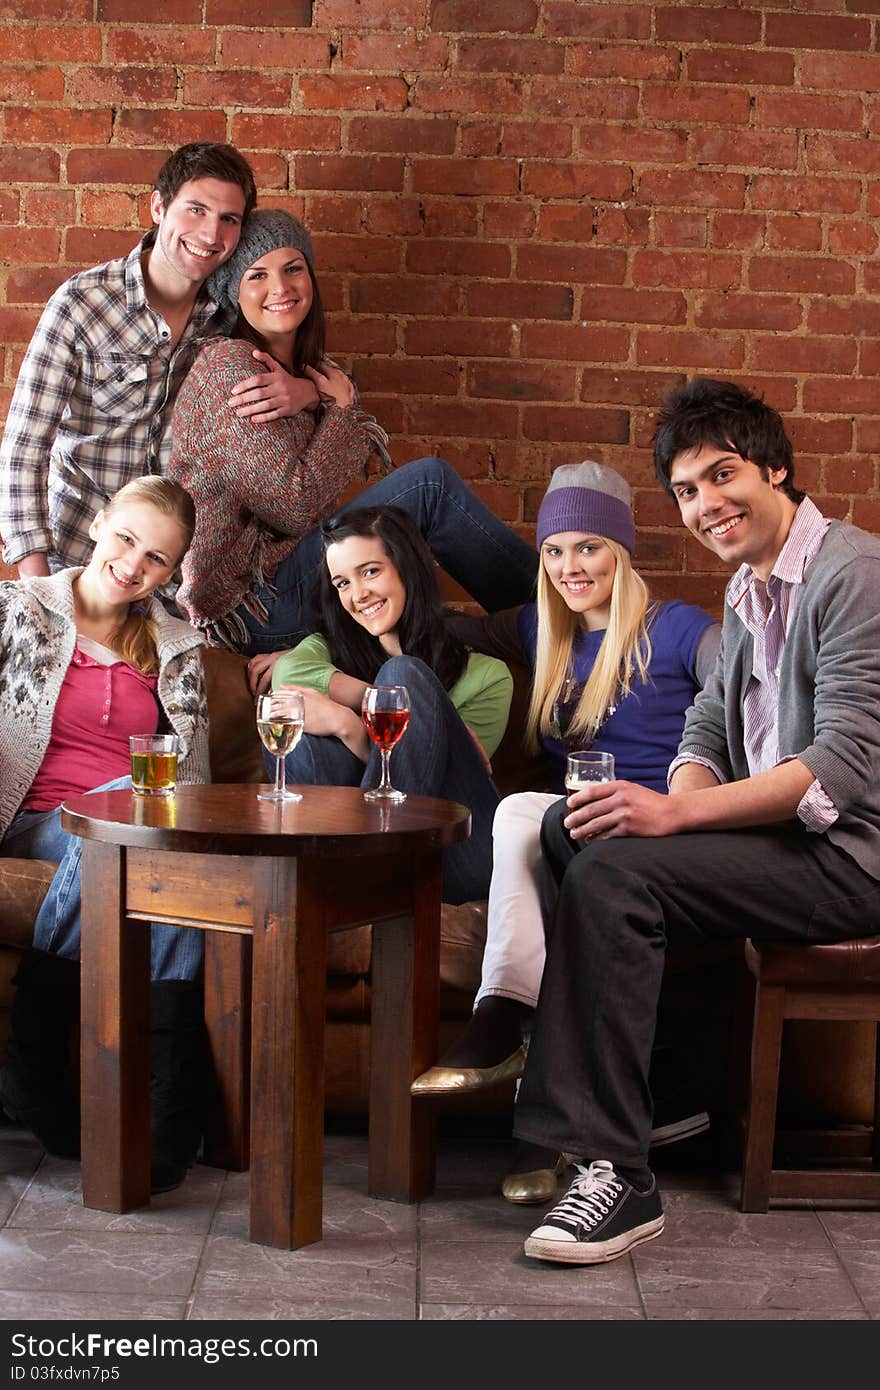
{"type": "Point", "coordinates": [228, 1022]}
{"type": "Point", "coordinates": [287, 1052]}
{"type": "Point", "coordinates": [115, 1052]}
{"type": "Point", "coordinates": [405, 988]}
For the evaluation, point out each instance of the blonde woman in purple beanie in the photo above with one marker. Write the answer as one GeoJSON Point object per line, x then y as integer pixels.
{"type": "Point", "coordinates": [612, 671]}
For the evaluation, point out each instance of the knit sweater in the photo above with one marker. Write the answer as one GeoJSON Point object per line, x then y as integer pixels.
{"type": "Point", "coordinates": [37, 637]}
{"type": "Point", "coordinates": [829, 690]}
{"type": "Point", "coordinates": [258, 488]}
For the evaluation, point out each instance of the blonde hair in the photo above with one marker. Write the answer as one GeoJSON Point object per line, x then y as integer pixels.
{"type": "Point", "coordinates": [136, 639]}
{"type": "Point", "coordinates": [624, 653]}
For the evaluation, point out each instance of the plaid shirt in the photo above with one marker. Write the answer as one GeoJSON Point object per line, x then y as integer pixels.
{"type": "Point", "coordinates": [91, 408]}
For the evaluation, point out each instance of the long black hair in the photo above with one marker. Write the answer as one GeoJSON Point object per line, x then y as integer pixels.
{"type": "Point", "coordinates": [422, 630]}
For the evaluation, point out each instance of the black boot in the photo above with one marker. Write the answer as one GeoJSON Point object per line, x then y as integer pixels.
{"type": "Point", "coordinates": [35, 1087]}
{"type": "Point", "coordinates": [178, 1080]}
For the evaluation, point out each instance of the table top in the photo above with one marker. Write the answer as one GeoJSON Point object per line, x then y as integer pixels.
{"type": "Point", "coordinates": [227, 818]}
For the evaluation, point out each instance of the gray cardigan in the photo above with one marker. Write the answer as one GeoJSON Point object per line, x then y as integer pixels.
{"type": "Point", "coordinates": [829, 690]}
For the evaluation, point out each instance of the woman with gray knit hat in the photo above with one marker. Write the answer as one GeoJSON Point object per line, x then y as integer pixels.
{"type": "Point", "coordinates": [262, 490]}
{"type": "Point", "coordinates": [612, 672]}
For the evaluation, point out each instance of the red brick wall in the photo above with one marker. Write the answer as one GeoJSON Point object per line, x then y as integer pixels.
{"type": "Point", "coordinates": [532, 216]}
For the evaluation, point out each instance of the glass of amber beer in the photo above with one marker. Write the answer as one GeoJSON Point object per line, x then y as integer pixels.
{"type": "Point", "coordinates": [154, 764]}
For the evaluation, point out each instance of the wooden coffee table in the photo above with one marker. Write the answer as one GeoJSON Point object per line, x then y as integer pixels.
{"type": "Point", "coordinates": [266, 883]}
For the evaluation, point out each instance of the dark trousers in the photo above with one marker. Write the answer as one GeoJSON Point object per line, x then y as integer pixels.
{"type": "Point", "coordinates": [585, 1088]}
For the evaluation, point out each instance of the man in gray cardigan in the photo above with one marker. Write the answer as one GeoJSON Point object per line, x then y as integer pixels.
{"type": "Point", "coordinates": [771, 830]}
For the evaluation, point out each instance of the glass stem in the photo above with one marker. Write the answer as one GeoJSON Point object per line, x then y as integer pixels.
{"type": "Point", "coordinates": [279, 776]}
{"type": "Point", "coordinates": [385, 780]}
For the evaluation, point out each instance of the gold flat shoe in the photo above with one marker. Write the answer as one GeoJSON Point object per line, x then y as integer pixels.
{"type": "Point", "coordinates": [442, 1081]}
{"type": "Point", "coordinates": [538, 1186]}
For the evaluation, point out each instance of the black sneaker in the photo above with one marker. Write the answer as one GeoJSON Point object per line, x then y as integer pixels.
{"type": "Point", "coordinates": [678, 1116]}
{"type": "Point", "coordinates": [600, 1218]}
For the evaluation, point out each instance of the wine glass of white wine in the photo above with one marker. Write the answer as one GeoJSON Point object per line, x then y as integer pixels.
{"type": "Point", "coordinates": [280, 719]}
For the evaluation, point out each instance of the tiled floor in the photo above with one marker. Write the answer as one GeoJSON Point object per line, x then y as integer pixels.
{"type": "Point", "coordinates": [455, 1256]}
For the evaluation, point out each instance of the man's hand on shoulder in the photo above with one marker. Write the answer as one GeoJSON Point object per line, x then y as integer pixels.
{"type": "Point", "coordinates": [37, 563]}
{"type": "Point", "coordinates": [607, 810]}
{"type": "Point", "coordinates": [273, 394]}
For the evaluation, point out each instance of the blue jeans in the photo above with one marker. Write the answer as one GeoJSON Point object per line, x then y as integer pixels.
{"type": "Point", "coordinates": [176, 952]}
{"type": "Point", "coordinates": [489, 560]}
{"type": "Point", "coordinates": [435, 757]}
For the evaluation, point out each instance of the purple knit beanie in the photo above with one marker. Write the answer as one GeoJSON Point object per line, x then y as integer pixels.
{"type": "Point", "coordinates": [591, 498]}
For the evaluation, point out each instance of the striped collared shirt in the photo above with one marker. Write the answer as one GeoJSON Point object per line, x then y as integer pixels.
{"type": "Point", "coordinates": [92, 406]}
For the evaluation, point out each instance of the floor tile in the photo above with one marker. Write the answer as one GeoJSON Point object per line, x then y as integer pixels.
{"type": "Point", "coordinates": [490, 1273]}
{"type": "Point", "coordinates": [98, 1262]}
{"type": "Point", "coordinates": [523, 1312]}
{"type": "Point", "coordinates": [846, 1228]}
{"type": "Point", "coordinates": [862, 1264]}
{"type": "Point", "coordinates": [347, 1210]}
{"type": "Point", "coordinates": [94, 1307]}
{"type": "Point", "coordinates": [730, 1279]}
{"type": "Point", "coordinates": [53, 1201]}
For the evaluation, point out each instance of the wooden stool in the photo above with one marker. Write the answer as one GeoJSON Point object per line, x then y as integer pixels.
{"type": "Point", "coordinates": [838, 981]}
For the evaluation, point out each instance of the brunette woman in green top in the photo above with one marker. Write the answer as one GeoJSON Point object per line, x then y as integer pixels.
{"type": "Point", "coordinates": [382, 623]}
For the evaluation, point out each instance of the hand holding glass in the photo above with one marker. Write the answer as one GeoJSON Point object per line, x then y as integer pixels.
{"type": "Point", "coordinates": [385, 712]}
{"type": "Point", "coordinates": [585, 767]}
{"type": "Point", "coordinates": [280, 719]}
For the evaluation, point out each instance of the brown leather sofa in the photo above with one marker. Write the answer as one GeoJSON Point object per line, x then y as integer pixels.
{"type": "Point", "coordinates": [827, 1071]}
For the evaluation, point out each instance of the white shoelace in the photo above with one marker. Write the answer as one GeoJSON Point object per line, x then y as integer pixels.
{"type": "Point", "coordinates": [591, 1196]}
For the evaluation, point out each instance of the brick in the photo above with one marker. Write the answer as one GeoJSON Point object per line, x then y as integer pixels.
{"type": "Point", "coordinates": [46, 43]}
{"type": "Point", "coordinates": [817, 31]}
{"type": "Point", "coordinates": [532, 140]}
{"type": "Point", "coordinates": [566, 222]}
{"type": "Point", "coordinates": [46, 9]}
{"type": "Point", "coordinates": [853, 156]}
{"type": "Point", "coordinates": [809, 275]}
{"type": "Point", "coordinates": [634, 143]}
{"type": "Point", "coordinates": [26, 245]}
{"type": "Point", "coordinates": [519, 301]}
{"type": "Point", "coordinates": [805, 194]}
{"type": "Point", "coordinates": [287, 14]}
{"type": "Point", "coordinates": [813, 111]}
{"type": "Point", "coordinates": [686, 270]}
{"type": "Point", "coordinates": [580, 424]}
{"type": "Point", "coordinates": [113, 166]}
{"type": "Point", "coordinates": [634, 63]}
{"type": "Point", "coordinates": [365, 14]}
{"type": "Point", "coordinates": [87, 246]}
{"type": "Point", "coordinates": [695, 105]}
{"type": "Point", "coordinates": [395, 52]}
{"type": "Point", "coordinates": [866, 513]}
{"type": "Point", "coordinates": [634, 306]}
{"type": "Point", "coordinates": [699, 589]}
{"type": "Point", "coordinates": [794, 233]}
{"type": "Point", "coordinates": [853, 317]}
{"type": "Point", "coordinates": [653, 507]}
{"type": "Point", "coordinates": [781, 312]}
{"type": "Point", "coordinates": [761, 149]}
{"type": "Point", "coordinates": [108, 209]}
{"type": "Point", "coordinates": [123, 85]}
{"type": "Point", "coordinates": [874, 199]}
{"type": "Point", "coordinates": [509, 220]}
{"type": "Point", "coordinates": [484, 260]}
{"type": "Point", "coordinates": [393, 217]}
{"type": "Point", "coordinates": [838, 507]}
{"type": "Point", "coordinates": [341, 171]}
{"type": "Point", "coordinates": [869, 359]}
{"type": "Point", "coordinates": [572, 19]}
{"type": "Point", "coordinates": [872, 278]}
{"type": "Point", "coordinates": [527, 56]}
{"type": "Point", "coordinates": [173, 11]}
{"type": "Point", "coordinates": [625, 387]}
{"type": "Point", "coordinates": [587, 266]}
{"type": "Point", "coordinates": [286, 132]}
{"type": "Point", "coordinates": [577, 342]}
{"type": "Point", "coordinates": [698, 350]}
{"type": "Point", "coordinates": [393, 295]}
{"type": "Point", "coordinates": [350, 92]}
{"type": "Point", "coordinates": [700, 558]}
{"type": "Point", "coordinates": [803, 355]}
{"type": "Point", "coordinates": [603, 102]}
{"type": "Point", "coordinates": [34, 285]}
{"type": "Point", "coordinates": [25, 125]}
{"type": "Point", "coordinates": [177, 126]}
{"type": "Point", "coordinates": [29, 166]}
{"type": "Point", "coordinates": [503, 501]}
{"type": "Point", "coordinates": [469, 95]}
{"type": "Point", "coordinates": [741, 65]}
{"type": "Point", "coordinates": [742, 230]}
{"type": "Point", "coordinates": [691, 188]}
{"type": "Point", "coordinates": [780, 391]}
{"type": "Point", "coordinates": [458, 338]}
{"type": "Point", "coordinates": [17, 325]}
{"type": "Point", "coordinates": [476, 17]}
{"type": "Point", "coordinates": [661, 550]}
{"type": "Point", "coordinates": [707, 26]}
{"type": "Point", "coordinates": [681, 229]}
{"type": "Point", "coordinates": [270, 171]}
{"type": "Point", "coordinates": [407, 378]}
{"type": "Point", "coordinates": [180, 46]}
{"type": "Point", "coordinates": [272, 48]}
{"type": "Point", "coordinates": [485, 176]}
{"type": "Point", "coordinates": [849, 475]}
{"type": "Point", "coordinates": [478, 419]}
{"type": "Point", "coordinates": [10, 206]}
{"type": "Point", "coordinates": [853, 238]}
{"type": "Point", "coordinates": [332, 214]}
{"type": "Point", "coordinates": [453, 217]}
{"type": "Point", "coordinates": [520, 381]}
{"type": "Point", "coordinates": [868, 435]}
{"type": "Point", "coordinates": [361, 255]}
{"type": "Point", "coordinates": [832, 72]}
{"type": "Point", "coordinates": [237, 87]}
{"type": "Point", "coordinates": [31, 84]}
{"type": "Point", "coordinates": [576, 180]}
{"type": "Point", "coordinates": [362, 334]}
{"type": "Point", "coordinates": [841, 396]}
{"type": "Point", "coordinates": [623, 226]}
{"type": "Point", "coordinates": [402, 135]}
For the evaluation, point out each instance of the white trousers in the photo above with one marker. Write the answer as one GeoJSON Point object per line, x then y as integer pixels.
{"type": "Point", "coordinates": [513, 961]}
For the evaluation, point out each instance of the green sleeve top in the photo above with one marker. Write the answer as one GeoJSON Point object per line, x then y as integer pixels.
{"type": "Point", "coordinates": [481, 695]}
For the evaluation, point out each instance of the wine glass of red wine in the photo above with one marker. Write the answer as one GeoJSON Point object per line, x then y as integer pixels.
{"type": "Point", "coordinates": [385, 712]}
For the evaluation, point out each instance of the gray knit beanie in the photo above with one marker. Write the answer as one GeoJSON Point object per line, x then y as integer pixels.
{"type": "Point", "coordinates": [266, 230]}
{"type": "Point", "coordinates": [591, 498]}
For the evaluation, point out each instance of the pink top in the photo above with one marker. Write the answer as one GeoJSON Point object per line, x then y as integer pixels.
{"type": "Point", "coordinates": [102, 701]}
